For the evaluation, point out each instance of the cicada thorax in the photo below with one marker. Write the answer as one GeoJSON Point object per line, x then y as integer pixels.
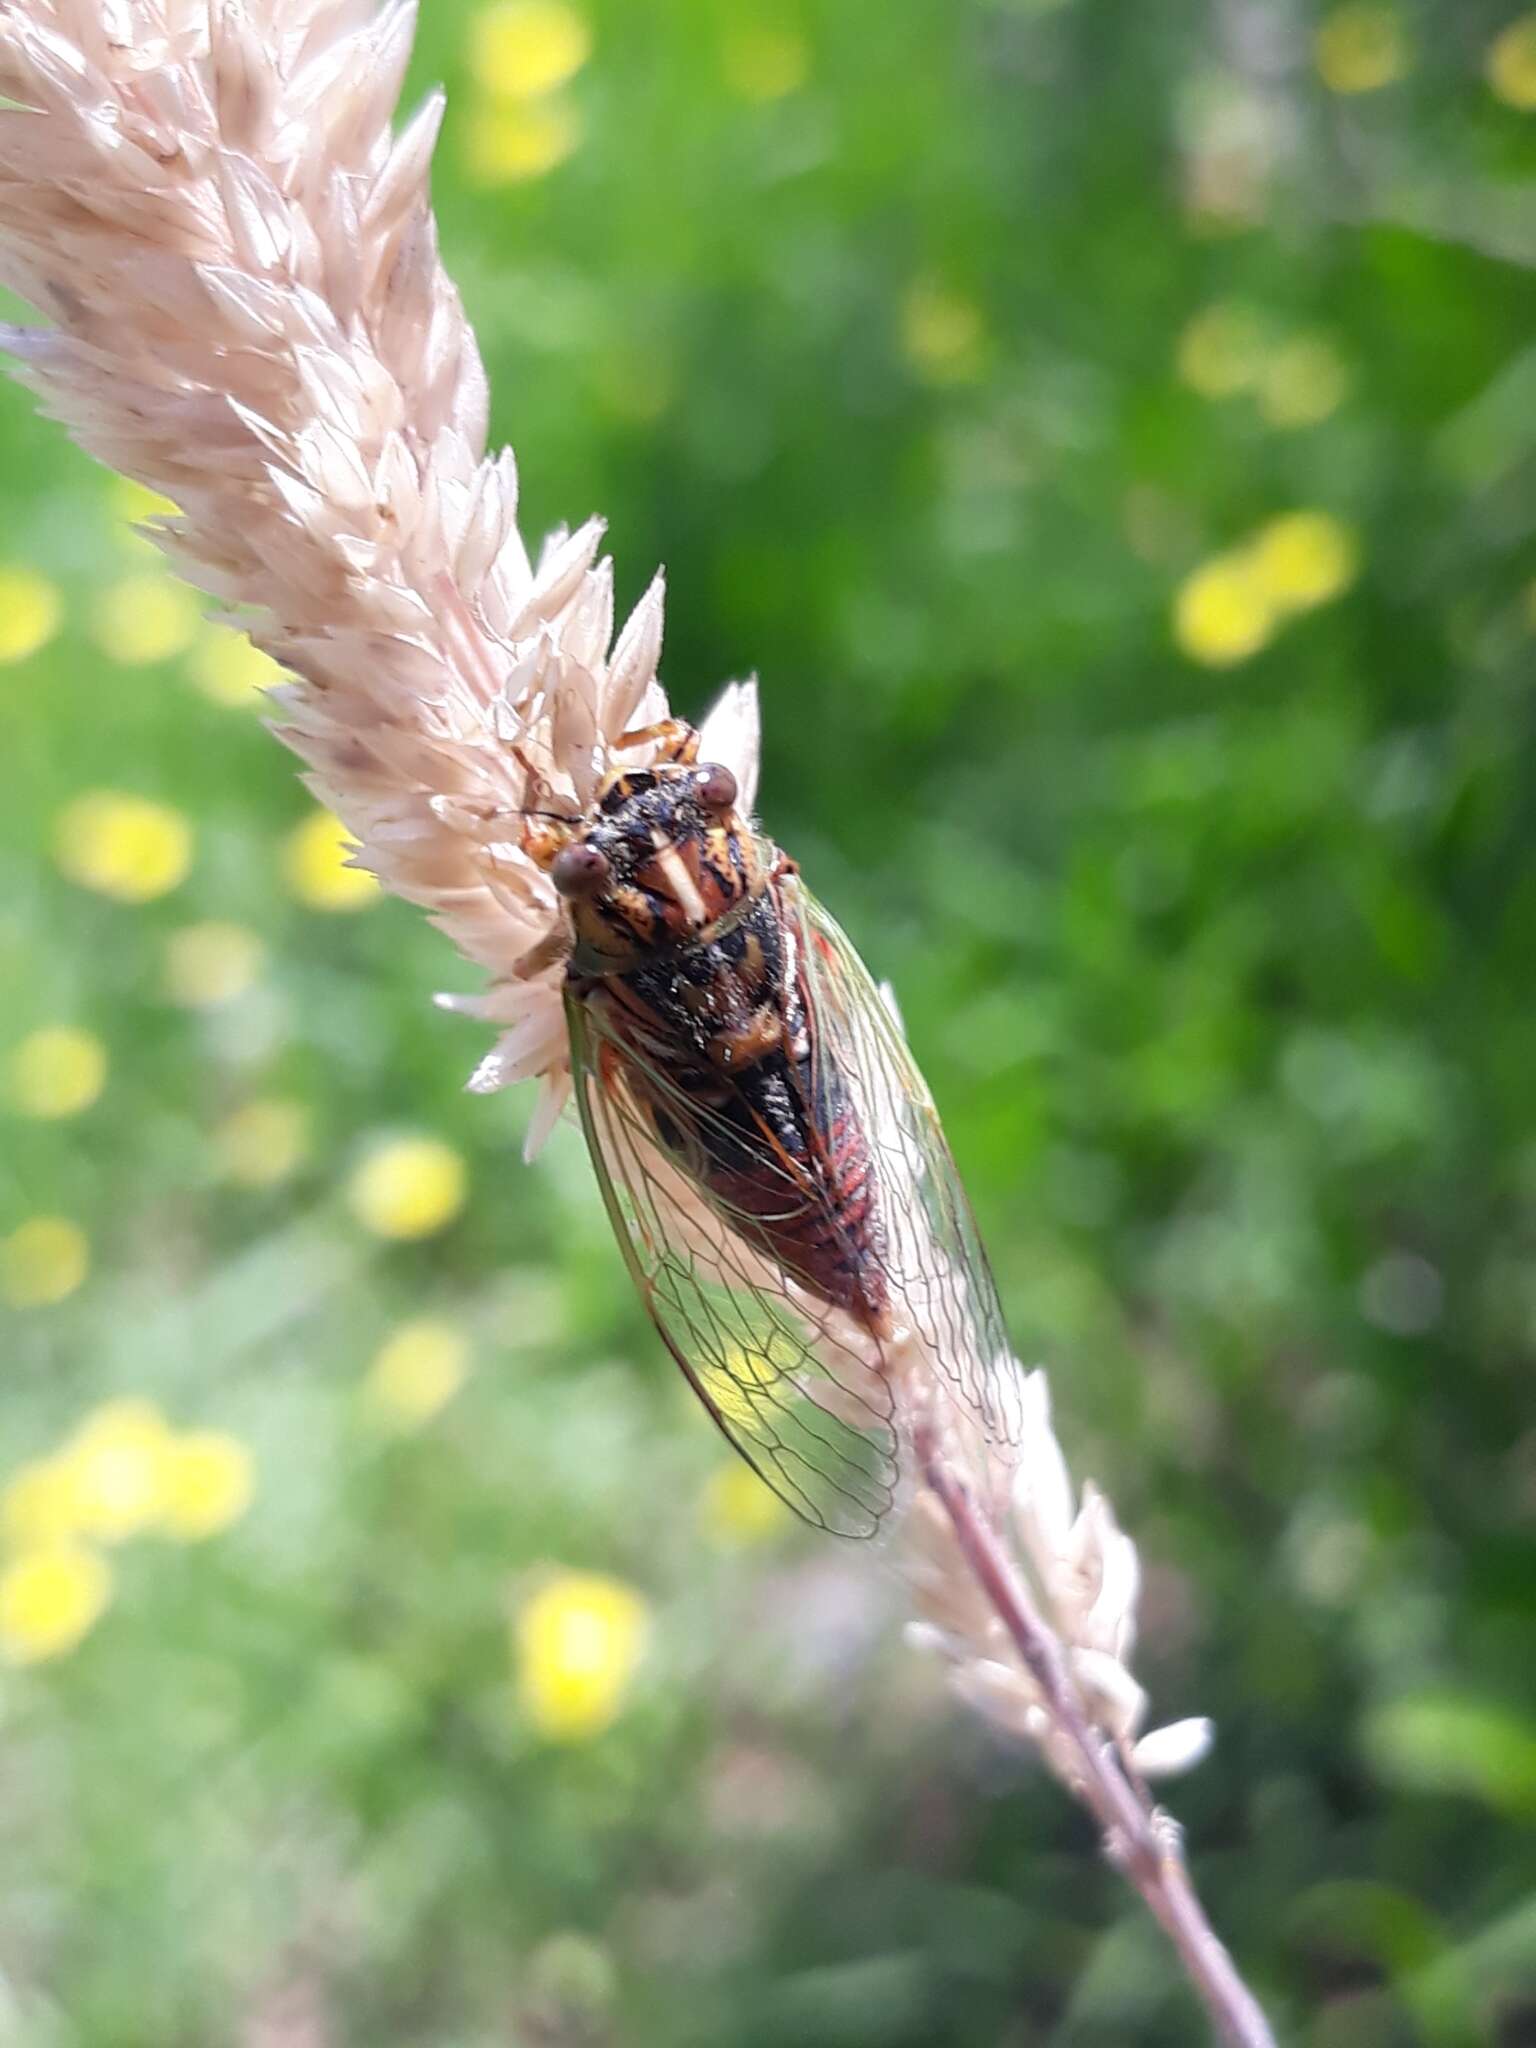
{"type": "Point", "coordinates": [690, 955]}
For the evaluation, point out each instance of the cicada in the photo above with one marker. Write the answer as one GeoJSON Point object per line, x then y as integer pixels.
{"type": "Point", "coordinates": [769, 1156]}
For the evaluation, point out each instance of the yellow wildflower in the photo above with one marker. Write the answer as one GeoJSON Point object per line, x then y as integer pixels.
{"type": "Point", "coordinates": [1222, 350]}
{"type": "Point", "coordinates": [144, 619]}
{"type": "Point", "coordinates": [58, 1071]}
{"type": "Point", "coordinates": [211, 963]}
{"type": "Point", "coordinates": [739, 1509]}
{"type": "Point", "coordinates": [209, 1483]}
{"type": "Point", "coordinates": [1222, 613]}
{"type": "Point", "coordinates": [942, 332]}
{"type": "Point", "coordinates": [577, 1642]}
{"type": "Point", "coordinates": [260, 1144]}
{"type": "Point", "coordinates": [41, 1504]}
{"type": "Point", "coordinates": [1360, 48]}
{"type": "Point", "coordinates": [524, 48]}
{"type": "Point", "coordinates": [507, 145]}
{"type": "Point", "coordinates": [30, 610]}
{"type": "Point", "coordinates": [119, 1461]}
{"type": "Point", "coordinates": [1305, 558]}
{"type": "Point", "coordinates": [1302, 382]}
{"type": "Point", "coordinates": [49, 1599]}
{"type": "Point", "coordinates": [228, 669]}
{"type": "Point", "coordinates": [42, 1262]}
{"type": "Point", "coordinates": [315, 861]}
{"type": "Point", "coordinates": [1511, 64]}
{"type": "Point", "coordinates": [408, 1187]}
{"type": "Point", "coordinates": [123, 846]}
{"type": "Point", "coordinates": [416, 1372]}
{"type": "Point", "coordinates": [764, 60]}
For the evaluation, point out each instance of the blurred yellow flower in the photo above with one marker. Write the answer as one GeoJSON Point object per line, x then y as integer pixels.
{"type": "Point", "coordinates": [260, 1144]}
{"type": "Point", "coordinates": [416, 1372]}
{"type": "Point", "coordinates": [1361, 47]}
{"type": "Point", "coordinates": [1302, 382]}
{"type": "Point", "coordinates": [315, 856]}
{"type": "Point", "coordinates": [1304, 558]}
{"type": "Point", "coordinates": [209, 1482]}
{"type": "Point", "coordinates": [145, 618]}
{"type": "Point", "coordinates": [227, 668]}
{"type": "Point", "coordinates": [132, 501]}
{"type": "Point", "coordinates": [739, 1509]}
{"type": "Point", "coordinates": [942, 332]}
{"type": "Point", "coordinates": [119, 1463]}
{"type": "Point", "coordinates": [1222, 613]}
{"type": "Point", "coordinates": [123, 846]}
{"type": "Point", "coordinates": [57, 1071]}
{"type": "Point", "coordinates": [408, 1187]}
{"type": "Point", "coordinates": [1222, 350]}
{"type": "Point", "coordinates": [211, 963]}
{"type": "Point", "coordinates": [577, 1641]}
{"type": "Point", "coordinates": [40, 1504]}
{"type": "Point", "coordinates": [730, 1385]}
{"type": "Point", "coordinates": [523, 48]}
{"type": "Point", "coordinates": [1511, 64]}
{"type": "Point", "coordinates": [764, 60]}
{"type": "Point", "coordinates": [49, 1598]}
{"type": "Point", "coordinates": [504, 145]}
{"type": "Point", "coordinates": [30, 610]}
{"type": "Point", "coordinates": [42, 1262]}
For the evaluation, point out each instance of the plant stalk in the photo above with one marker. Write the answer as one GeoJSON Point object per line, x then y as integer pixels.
{"type": "Point", "coordinates": [1143, 1843]}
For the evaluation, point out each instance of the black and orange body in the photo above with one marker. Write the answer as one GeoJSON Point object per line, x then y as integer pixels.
{"type": "Point", "coordinates": [690, 959]}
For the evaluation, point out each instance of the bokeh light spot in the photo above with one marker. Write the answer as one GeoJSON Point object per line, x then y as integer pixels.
{"type": "Point", "coordinates": [118, 1461]}
{"type": "Point", "coordinates": [577, 1642]}
{"type": "Point", "coordinates": [30, 610]}
{"type": "Point", "coordinates": [264, 1142]}
{"type": "Point", "coordinates": [507, 145]}
{"type": "Point", "coordinates": [1222, 350]}
{"type": "Point", "coordinates": [1222, 614]}
{"type": "Point", "coordinates": [1511, 64]}
{"type": "Point", "coordinates": [739, 1509]}
{"type": "Point", "coordinates": [1361, 48]}
{"type": "Point", "coordinates": [408, 1188]}
{"type": "Point", "coordinates": [228, 669]}
{"type": "Point", "coordinates": [210, 1482]}
{"type": "Point", "coordinates": [43, 1261]}
{"type": "Point", "coordinates": [764, 60]}
{"type": "Point", "coordinates": [144, 619]}
{"type": "Point", "coordinates": [122, 846]}
{"type": "Point", "coordinates": [416, 1372]}
{"type": "Point", "coordinates": [1302, 382]}
{"type": "Point", "coordinates": [58, 1071]}
{"type": "Point", "coordinates": [49, 1599]}
{"type": "Point", "coordinates": [1305, 558]}
{"type": "Point", "coordinates": [525, 48]}
{"type": "Point", "coordinates": [942, 332]}
{"type": "Point", "coordinates": [211, 963]}
{"type": "Point", "coordinates": [316, 854]}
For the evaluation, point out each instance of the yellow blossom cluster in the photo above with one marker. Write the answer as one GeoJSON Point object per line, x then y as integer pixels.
{"type": "Point", "coordinates": [1230, 350]}
{"type": "Point", "coordinates": [408, 1187]}
{"type": "Point", "coordinates": [30, 611]}
{"type": "Point", "coordinates": [123, 1472]}
{"type": "Point", "coordinates": [1234, 603]}
{"type": "Point", "coordinates": [577, 1641]}
{"type": "Point", "coordinates": [1361, 47]}
{"type": "Point", "coordinates": [416, 1372]}
{"type": "Point", "coordinates": [521, 124]}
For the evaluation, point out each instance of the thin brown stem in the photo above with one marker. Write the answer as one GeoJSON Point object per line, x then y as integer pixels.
{"type": "Point", "coordinates": [1140, 1841]}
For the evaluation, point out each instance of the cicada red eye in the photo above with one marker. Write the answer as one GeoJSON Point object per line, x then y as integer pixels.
{"type": "Point", "coordinates": [580, 871]}
{"type": "Point", "coordinates": [717, 788]}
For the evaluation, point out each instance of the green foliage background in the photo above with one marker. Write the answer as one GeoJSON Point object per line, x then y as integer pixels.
{"type": "Point", "coordinates": [1223, 976]}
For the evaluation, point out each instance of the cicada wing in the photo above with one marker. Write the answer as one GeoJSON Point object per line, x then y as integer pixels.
{"type": "Point", "coordinates": [792, 1383]}
{"type": "Point", "coordinates": [928, 1244]}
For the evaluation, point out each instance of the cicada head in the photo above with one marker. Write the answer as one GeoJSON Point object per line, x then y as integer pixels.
{"type": "Point", "coordinates": [666, 859]}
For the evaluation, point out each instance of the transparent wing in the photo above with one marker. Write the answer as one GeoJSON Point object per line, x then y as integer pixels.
{"type": "Point", "coordinates": [795, 1385]}
{"type": "Point", "coordinates": [929, 1247]}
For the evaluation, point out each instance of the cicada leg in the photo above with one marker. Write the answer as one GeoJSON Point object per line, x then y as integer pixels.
{"type": "Point", "coordinates": [675, 739]}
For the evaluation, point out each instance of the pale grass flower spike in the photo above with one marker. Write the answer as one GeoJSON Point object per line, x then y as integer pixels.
{"type": "Point", "coordinates": [246, 312]}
